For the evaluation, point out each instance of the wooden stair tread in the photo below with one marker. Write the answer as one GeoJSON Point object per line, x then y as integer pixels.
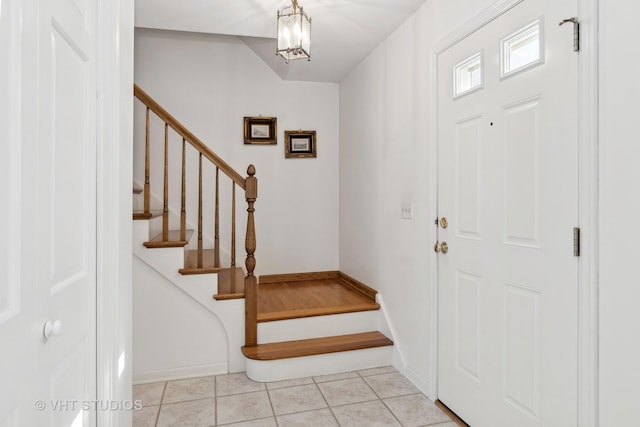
{"type": "Point", "coordinates": [290, 300]}
{"type": "Point", "coordinates": [314, 346]}
{"type": "Point", "coordinates": [173, 241]}
{"type": "Point", "coordinates": [230, 284]}
{"type": "Point", "coordinates": [191, 262]}
{"type": "Point", "coordinates": [140, 215]}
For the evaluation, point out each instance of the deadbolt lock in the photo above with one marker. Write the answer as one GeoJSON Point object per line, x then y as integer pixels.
{"type": "Point", "coordinates": [443, 222]}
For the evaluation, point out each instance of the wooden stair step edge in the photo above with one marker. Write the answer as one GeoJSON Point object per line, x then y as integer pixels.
{"type": "Point", "coordinates": [140, 215]}
{"type": "Point", "coordinates": [172, 242]}
{"type": "Point", "coordinates": [313, 312]}
{"type": "Point", "coordinates": [344, 279]}
{"type": "Point", "coordinates": [191, 263]}
{"type": "Point", "coordinates": [316, 346]}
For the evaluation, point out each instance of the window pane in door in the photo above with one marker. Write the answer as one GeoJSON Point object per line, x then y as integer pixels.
{"type": "Point", "coordinates": [468, 75]}
{"type": "Point", "coordinates": [522, 49]}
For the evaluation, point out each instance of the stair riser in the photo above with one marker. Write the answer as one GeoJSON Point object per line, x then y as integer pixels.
{"type": "Point", "coordinates": [155, 226]}
{"type": "Point", "coordinates": [201, 288]}
{"type": "Point", "coordinates": [138, 202]}
{"type": "Point", "coordinates": [318, 326]}
{"type": "Point", "coordinates": [140, 233]}
{"type": "Point", "coordinates": [322, 364]}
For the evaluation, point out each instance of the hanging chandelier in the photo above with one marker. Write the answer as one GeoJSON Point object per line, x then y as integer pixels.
{"type": "Point", "coordinates": [294, 33]}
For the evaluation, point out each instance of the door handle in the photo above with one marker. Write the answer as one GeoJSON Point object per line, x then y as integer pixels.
{"type": "Point", "coordinates": [51, 328]}
{"type": "Point", "coordinates": [441, 247]}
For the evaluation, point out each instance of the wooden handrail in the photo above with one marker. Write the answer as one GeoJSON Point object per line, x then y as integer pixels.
{"type": "Point", "coordinates": [188, 136]}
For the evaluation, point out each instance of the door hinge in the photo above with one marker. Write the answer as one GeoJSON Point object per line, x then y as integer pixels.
{"type": "Point", "coordinates": [576, 241]}
{"type": "Point", "coordinates": [576, 32]}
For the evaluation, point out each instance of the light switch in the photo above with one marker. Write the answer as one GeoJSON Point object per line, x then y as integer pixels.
{"type": "Point", "coordinates": [407, 211]}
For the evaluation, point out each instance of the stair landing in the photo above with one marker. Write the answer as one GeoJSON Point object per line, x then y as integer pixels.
{"type": "Point", "coordinates": [292, 299]}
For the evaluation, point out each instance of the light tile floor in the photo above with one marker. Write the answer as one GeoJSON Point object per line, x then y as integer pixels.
{"type": "Point", "coordinates": [374, 397]}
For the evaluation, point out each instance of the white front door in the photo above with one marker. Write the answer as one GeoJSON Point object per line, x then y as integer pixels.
{"type": "Point", "coordinates": [48, 229]}
{"type": "Point", "coordinates": [507, 186]}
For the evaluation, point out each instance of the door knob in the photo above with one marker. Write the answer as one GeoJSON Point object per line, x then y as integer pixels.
{"type": "Point", "coordinates": [443, 222]}
{"type": "Point", "coordinates": [51, 328]}
{"type": "Point", "coordinates": [441, 247]}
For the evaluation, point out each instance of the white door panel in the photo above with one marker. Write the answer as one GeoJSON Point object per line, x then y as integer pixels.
{"type": "Point", "coordinates": [48, 229]}
{"type": "Point", "coordinates": [17, 306]}
{"type": "Point", "coordinates": [66, 193]}
{"type": "Point", "coordinates": [507, 183]}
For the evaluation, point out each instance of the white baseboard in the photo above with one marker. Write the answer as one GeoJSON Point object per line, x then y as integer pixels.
{"type": "Point", "coordinates": [181, 373]}
{"type": "Point", "coordinates": [319, 364]}
{"type": "Point", "coordinates": [422, 385]}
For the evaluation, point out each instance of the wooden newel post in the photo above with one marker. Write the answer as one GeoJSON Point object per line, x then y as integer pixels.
{"type": "Point", "coordinates": [251, 281]}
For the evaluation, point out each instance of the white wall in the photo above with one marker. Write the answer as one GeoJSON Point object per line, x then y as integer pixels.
{"type": "Point", "coordinates": [174, 337]}
{"type": "Point", "coordinates": [385, 149]}
{"type": "Point", "coordinates": [384, 161]}
{"type": "Point", "coordinates": [619, 214]}
{"type": "Point", "coordinates": [210, 83]}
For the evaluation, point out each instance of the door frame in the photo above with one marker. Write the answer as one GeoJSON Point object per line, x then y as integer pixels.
{"type": "Point", "coordinates": [588, 399]}
{"type": "Point", "coordinates": [114, 91]}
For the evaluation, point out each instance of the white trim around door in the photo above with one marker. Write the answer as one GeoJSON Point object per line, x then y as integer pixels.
{"type": "Point", "coordinates": [115, 138]}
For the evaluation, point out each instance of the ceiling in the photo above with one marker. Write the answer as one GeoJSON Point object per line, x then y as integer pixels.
{"type": "Point", "coordinates": [343, 32]}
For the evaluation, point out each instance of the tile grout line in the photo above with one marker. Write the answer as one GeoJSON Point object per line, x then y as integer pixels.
{"type": "Point", "coordinates": [325, 401]}
{"type": "Point", "coordinates": [391, 411]}
{"type": "Point", "coordinates": [164, 388]}
{"type": "Point", "coordinates": [273, 411]}
{"type": "Point", "coordinates": [215, 400]}
{"type": "Point", "coordinates": [369, 385]}
{"type": "Point", "coordinates": [380, 398]}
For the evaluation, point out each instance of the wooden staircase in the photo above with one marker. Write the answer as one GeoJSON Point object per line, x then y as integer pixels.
{"type": "Point", "coordinates": [306, 320]}
{"type": "Point", "coordinates": [295, 324]}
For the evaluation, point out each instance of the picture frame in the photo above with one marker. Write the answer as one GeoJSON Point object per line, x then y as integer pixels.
{"type": "Point", "coordinates": [300, 144]}
{"type": "Point", "coordinates": [260, 130]}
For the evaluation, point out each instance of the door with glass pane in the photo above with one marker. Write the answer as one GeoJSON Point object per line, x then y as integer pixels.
{"type": "Point", "coordinates": [507, 187]}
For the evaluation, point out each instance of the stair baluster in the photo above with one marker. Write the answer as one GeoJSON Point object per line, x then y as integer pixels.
{"type": "Point", "coordinates": [183, 202]}
{"type": "Point", "coordinates": [200, 211]}
{"type": "Point", "coordinates": [216, 241]}
{"type": "Point", "coordinates": [251, 281]}
{"type": "Point", "coordinates": [233, 225]}
{"type": "Point", "coordinates": [147, 169]}
{"type": "Point", "coordinates": [165, 210]}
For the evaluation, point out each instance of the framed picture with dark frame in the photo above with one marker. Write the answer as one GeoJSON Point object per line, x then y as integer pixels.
{"type": "Point", "coordinates": [260, 130]}
{"type": "Point", "coordinates": [299, 143]}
